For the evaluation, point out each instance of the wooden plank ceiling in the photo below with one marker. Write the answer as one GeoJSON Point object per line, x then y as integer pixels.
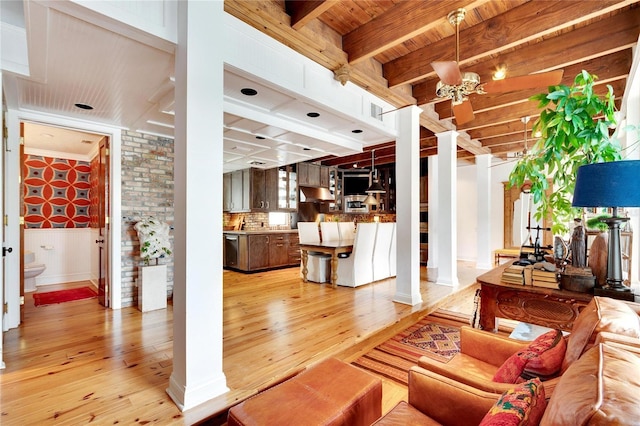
{"type": "Point", "coordinates": [387, 47]}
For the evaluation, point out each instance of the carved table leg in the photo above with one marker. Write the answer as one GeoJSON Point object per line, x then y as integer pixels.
{"type": "Point", "coordinates": [305, 258]}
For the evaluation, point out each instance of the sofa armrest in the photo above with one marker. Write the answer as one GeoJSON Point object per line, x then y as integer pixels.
{"type": "Point", "coordinates": [630, 344]}
{"type": "Point", "coordinates": [488, 347]}
{"type": "Point", "coordinates": [448, 401]}
{"type": "Point", "coordinates": [635, 306]}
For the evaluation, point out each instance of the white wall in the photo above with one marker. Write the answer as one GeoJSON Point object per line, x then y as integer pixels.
{"type": "Point", "coordinates": [68, 254]}
{"type": "Point", "coordinates": [468, 209]}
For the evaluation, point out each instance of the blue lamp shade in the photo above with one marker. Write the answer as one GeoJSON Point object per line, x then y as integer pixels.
{"type": "Point", "coordinates": [612, 184]}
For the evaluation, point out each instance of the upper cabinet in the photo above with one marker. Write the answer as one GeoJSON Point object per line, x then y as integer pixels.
{"type": "Point", "coordinates": [235, 192]}
{"type": "Point", "coordinates": [287, 187]}
{"type": "Point", "coordinates": [315, 175]}
{"type": "Point", "coordinates": [260, 190]}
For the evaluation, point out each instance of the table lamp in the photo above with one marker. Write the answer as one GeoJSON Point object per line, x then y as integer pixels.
{"type": "Point", "coordinates": [613, 184]}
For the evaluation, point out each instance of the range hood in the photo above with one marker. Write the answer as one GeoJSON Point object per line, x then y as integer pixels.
{"type": "Point", "coordinates": [316, 194]}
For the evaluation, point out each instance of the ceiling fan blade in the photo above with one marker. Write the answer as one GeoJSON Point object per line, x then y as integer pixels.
{"type": "Point", "coordinates": [531, 81]}
{"type": "Point", "coordinates": [448, 71]}
{"type": "Point", "coordinates": [463, 112]}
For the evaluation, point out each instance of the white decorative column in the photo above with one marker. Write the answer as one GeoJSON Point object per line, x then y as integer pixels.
{"type": "Point", "coordinates": [408, 206]}
{"type": "Point", "coordinates": [432, 250]}
{"type": "Point", "coordinates": [483, 192]}
{"type": "Point", "coordinates": [447, 208]}
{"type": "Point", "coordinates": [197, 337]}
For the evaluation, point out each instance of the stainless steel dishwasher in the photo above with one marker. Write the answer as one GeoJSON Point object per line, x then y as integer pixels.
{"type": "Point", "coordinates": [231, 251]}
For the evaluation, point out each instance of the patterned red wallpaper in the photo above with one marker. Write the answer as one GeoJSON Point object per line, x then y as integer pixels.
{"type": "Point", "coordinates": [56, 192]}
{"type": "Point", "coordinates": [94, 192]}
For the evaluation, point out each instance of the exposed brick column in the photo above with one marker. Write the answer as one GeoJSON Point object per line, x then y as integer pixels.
{"type": "Point", "coordinates": [147, 190]}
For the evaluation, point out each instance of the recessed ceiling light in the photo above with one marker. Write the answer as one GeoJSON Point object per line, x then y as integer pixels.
{"type": "Point", "coordinates": [247, 91]}
{"type": "Point", "coordinates": [83, 106]}
{"type": "Point", "coordinates": [313, 114]}
{"type": "Point", "coordinates": [356, 131]}
{"type": "Point", "coordinates": [355, 165]}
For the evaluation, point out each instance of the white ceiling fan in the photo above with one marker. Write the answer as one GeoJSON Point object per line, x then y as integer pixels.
{"type": "Point", "coordinates": [457, 85]}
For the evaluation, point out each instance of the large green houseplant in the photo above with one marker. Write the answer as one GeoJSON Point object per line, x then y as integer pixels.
{"type": "Point", "coordinates": [574, 125]}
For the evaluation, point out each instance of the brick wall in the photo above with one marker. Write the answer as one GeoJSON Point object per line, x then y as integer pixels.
{"type": "Point", "coordinates": [147, 190]}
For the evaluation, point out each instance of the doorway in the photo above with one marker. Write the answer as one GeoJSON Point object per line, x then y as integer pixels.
{"type": "Point", "coordinates": [65, 206]}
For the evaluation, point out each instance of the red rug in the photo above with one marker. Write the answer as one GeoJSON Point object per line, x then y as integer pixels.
{"type": "Point", "coordinates": [396, 356]}
{"type": "Point", "coordinates": [61, 296]}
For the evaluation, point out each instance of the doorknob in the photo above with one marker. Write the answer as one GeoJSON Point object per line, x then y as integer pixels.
{"type": "Point", "coordinates": [6, 250]}
{"type": "Point", "coordinates": [99, 241]}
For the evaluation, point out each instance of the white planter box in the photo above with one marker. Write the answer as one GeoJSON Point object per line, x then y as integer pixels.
{"type": "Point", "coordinates": [152, 288]}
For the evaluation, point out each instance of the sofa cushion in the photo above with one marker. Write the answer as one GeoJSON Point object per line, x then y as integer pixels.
{"type": "Point", "coordinates": [522, 405]}
{"type": "Point", "coordinates": [544, 355]}
{"type": "Point", "coordinates": [601, 314]}
{"type": "Point", "coordinates": [601, 387]}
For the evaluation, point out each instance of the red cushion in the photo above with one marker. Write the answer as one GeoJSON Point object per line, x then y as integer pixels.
{"type": "Point", "coordinates": [523, 405]}
{"type": "Point", "coordinates": [543, 357]}
{"type": "Point", "coordinates": [547, 363]}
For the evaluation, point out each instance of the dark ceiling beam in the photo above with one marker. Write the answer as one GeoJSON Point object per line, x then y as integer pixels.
{"type": "Point", "coordinates": [303, 11]}
{"type": "Point", "coordinates": [383, 32]}
{"type": "Point", "coordinates": [495, 35]}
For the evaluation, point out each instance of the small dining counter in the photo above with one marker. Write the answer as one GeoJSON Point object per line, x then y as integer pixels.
{"type": "Point", "coordinates": [334, 248]}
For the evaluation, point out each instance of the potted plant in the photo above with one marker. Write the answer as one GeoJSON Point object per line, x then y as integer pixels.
{"type": "Point", "coordinates": [574, 126]}
{"type": "Point", "coordinates": [154, 244]}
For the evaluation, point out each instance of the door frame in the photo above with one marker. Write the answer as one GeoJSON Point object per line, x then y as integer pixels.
{"type": "Point", "coordinates": [14, 118]}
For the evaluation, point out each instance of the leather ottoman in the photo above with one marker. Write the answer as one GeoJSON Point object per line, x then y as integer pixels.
{"type": "Point", "coordinates": [330, 393]}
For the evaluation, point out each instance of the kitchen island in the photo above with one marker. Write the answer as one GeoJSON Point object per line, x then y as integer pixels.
{"type": "Point", "coordinates": [250, 251]}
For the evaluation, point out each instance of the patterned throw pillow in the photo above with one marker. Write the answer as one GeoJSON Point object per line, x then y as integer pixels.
{"type": "Point", "coordinates": [521, 406]}
{"type": "Point", "coordinates": [543, 357]}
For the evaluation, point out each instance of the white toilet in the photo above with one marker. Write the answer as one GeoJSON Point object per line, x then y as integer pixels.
{"type": "Point", "coordinates": [31, 270]}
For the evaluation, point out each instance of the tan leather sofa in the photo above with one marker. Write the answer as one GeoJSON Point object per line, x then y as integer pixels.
{"type": "Point", "coordinates": [600, 388]}
{"type": "Point", "coordinates": [482, 352]}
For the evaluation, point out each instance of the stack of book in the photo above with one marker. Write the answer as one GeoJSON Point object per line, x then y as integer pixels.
{"type": "Point", "coordinates": [542, 278]}
{"type": "Point", "coordinates": [513, 274]}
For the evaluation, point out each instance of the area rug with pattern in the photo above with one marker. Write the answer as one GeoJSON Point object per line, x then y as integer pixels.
{"type": "Point", "coordinates": [61, 296]}
{"type": "Point", "coordinates": [396, 356]}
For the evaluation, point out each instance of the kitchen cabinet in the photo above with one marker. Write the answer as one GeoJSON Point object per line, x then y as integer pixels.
{"type": "Point", "coordinates": [335, 187]}
{"type": "Point", "coordinates": [226, 192]}
{"type": "Point", "coordinates": [324, 176]}
{"type": "Point", "coordinates": [264, 189]}
{"type": "Point", "coordinates": [256, 251]}
{"type": "Point", "coordinates": [287, 187]}
{"type": "Point", "coordinates": [235, 191]}
{"type": "Point", "coordinates": [309, 175]}
{"type": "Point", "coordinates": [278, 250]}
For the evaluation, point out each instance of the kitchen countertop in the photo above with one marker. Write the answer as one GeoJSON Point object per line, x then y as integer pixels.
{"type": "Point", "coordinates": [262, 231]}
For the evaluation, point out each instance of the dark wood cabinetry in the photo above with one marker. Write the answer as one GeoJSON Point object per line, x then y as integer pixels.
{"type": "Point", "coordinates": [315, 175]}
{"type": "Point", "coordinates": [254, 252]}
{"type": "Point", "coordinates": [235, 192]}
{"type": "Point", "coordinates": [264, 189]}
{"type": "Point", "coordinates": [278, 250]}
{"type": "Point", "coordinates": [260, 189]}
{"type": "Point", "coordinates": [258, 246]}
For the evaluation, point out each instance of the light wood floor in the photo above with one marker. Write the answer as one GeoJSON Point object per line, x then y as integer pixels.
{"type": "Point", "coordinates": [76, 363]}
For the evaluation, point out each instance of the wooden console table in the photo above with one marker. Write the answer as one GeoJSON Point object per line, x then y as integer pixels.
{"type": "Point", "coordinates": [536, 305]}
